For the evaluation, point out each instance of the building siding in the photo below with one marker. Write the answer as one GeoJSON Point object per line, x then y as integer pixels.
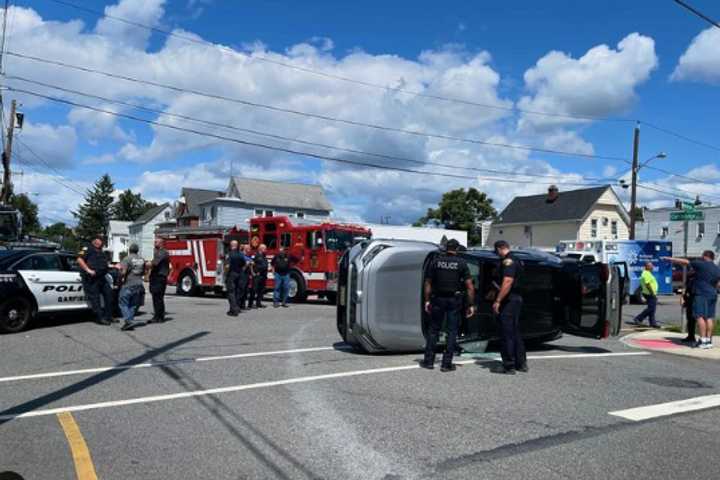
{"type": "Point", "coordinates": [604, 230]}
{"type": "Point", "coordinates": [229, 214]}
{"type": "Point", "coordinates": [144, 235]}
{"type": "Point", "coordinates": [544, 235]}
{"type": "Point", "coordinates": [655, 220]}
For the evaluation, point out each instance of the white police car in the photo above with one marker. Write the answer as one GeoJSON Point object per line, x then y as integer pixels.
{"type": "Point", "coordinates": [36, 282]}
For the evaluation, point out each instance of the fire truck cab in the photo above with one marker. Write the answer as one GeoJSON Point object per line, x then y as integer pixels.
{"type": "Point", "coordinates": [314, 249]}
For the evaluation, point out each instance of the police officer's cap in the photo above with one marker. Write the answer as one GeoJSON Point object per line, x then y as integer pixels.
{"type": "Point", "coordinates": [452, 245]}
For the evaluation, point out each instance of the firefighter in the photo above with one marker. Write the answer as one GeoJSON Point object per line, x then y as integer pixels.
{"type": "Point", "coordinates": [446, 281]}
{"type": "Point", "coordinates": [159, 271]}
{"type": "Point", "coordinates": [507, 306]}
{"type": "Point", "coordinates": [235, 280]}
{"type": "Point", "coordinates": [98, 290]}
{"type": "Point", "coordinates": [259, 269]}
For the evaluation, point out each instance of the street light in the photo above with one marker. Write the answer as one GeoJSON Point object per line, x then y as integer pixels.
{"type": "Point", "coordinates": [633, 188]}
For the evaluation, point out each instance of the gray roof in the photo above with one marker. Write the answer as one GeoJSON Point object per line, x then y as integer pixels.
{"type": "Point", "coordinates": [570, 205]}
{"type": "Point", "coordinates": [149, 215]}
{"type": "Point", "coordinates": [281, 194]}
{"type": "Point", "coordinates": [196, 196]}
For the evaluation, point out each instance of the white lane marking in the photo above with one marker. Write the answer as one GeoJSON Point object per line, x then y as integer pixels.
{"type": "Point", "coordinates": [670, 408]}
{"type": "Point", "coordinates": [251, 386]}
{"type": "Point", "coordinates": [162, 364]}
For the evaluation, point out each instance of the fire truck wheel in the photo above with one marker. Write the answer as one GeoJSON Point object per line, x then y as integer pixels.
{"type": "Point", "coordinates": [15, 314]}
{"type": "Point", "coordinates": [186, 284]}
{"type": "Point", "coordinates": [297, 292]}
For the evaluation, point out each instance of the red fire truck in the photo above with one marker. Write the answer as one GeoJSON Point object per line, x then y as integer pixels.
{"type": "Point", "coordinates": [196, 256]}
{"type": "Point", "coordinates": [314, 248]}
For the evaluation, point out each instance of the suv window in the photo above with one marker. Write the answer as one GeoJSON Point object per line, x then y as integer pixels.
{"type": "Point", "coordinates": [47, 261]}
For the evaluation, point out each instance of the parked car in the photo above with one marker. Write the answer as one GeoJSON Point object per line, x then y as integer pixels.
{"type": "Point", "coordinates": [37, 282]}
{"type": "Point", "coordinates": [380, 304]}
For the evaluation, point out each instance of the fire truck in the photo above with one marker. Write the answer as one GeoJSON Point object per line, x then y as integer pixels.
{"type": "Point", "coordinates": [314, 248]}
{"type": "Point", "coordinates": [196, 256]}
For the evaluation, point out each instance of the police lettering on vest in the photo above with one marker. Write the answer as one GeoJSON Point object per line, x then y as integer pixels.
{"type": "Point", "coordinates": [448, 273]}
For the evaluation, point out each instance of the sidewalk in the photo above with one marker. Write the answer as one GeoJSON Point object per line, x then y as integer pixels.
{"type": "Point", "coordinates": [669, 342]}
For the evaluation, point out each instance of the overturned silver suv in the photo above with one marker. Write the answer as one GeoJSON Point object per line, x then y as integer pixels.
{"type": "Point", "coordinates": [380, 307]}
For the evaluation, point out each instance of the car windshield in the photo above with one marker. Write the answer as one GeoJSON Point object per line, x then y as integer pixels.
{"type": "Point", "coordinates": [340, 240]}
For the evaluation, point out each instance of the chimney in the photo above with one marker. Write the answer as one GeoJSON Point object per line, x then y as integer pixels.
{"type": "Point", "coordinates": [553, 194]}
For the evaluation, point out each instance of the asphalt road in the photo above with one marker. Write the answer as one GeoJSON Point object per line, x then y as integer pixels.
{"type": "Point", "coordinates": [197, 405]}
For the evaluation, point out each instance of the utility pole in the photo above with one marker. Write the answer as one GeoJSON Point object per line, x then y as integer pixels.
{"type": "Point", "coordinates": [6, 155]}
{"type": "Point", "coordinates": [633, 187]}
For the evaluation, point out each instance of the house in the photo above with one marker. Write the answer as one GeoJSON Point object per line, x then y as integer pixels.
{"type": "Point", "coordinates": [542, 221]}
{"type": "Point", "coordinates": [188, 209]}
{"type": "Point", "coordinates": [118, 238]}
{"type": "Point", "coordinates": [700, 235]}
{"type": "Point", "coordinates": [247, 198]}
{"type": "Point", "coordinates": [142, 231]}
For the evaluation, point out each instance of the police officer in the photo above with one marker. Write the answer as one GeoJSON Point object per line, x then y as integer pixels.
{"type": "Point", "coordinates": [507, 306]}
{"type": "Point", "coordinates": [98, 290]}
{"type": "Point", "coordinates": [159, 271]}
{"type": "Point", "coordinates": [445, 282]}
{"type": "Point", "coordinates": [246, 294]}
{"type": "Point", "coordinates": [259, 274]}
{"type": "Point", "coordinates": [236, 277]}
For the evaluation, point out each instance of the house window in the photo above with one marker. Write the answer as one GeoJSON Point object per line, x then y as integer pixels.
{"type": "Point", "coordinates": [167, 215]}
{"type": "Point", "coordinates": [269, 213]}
{"type": "Point", "coordinates": [664, 232]}
{"type": "Point", "coordinates": [593, 228]}
{"type": "Point", "coordinates": [614, 229]}
{"type": "Point", "coordinates": [300, 214]}
{"type": "Point", "coordinates": [700, 229]}
{"type": "Point", "coordinates": [259, 212]}
{"type": "Point", "coordinates": [213, 212]}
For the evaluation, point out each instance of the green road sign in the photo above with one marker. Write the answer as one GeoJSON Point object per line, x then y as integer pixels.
{"type": "Point", "coordinates": [687, 215]}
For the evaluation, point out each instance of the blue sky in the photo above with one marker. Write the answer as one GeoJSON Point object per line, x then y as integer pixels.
{"type": "Point", "coordinates": [489, 52]}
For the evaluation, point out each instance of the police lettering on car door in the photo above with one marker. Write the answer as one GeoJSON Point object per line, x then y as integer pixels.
{"type": "Point", "coordinates": [72, 293]}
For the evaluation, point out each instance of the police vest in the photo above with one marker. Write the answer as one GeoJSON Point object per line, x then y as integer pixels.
{"type": "Point", "coordinates": [448, 274]}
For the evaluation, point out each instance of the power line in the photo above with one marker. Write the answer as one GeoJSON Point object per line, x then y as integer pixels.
{"type": "Point", "coordinates": [681, 136]}
{"type": "Point", "coordinates": [364, 83]}
{"type": "Point", "coordinates": [47, 164]}
{"type": "Point", "coordinates": [275, 148]}
{"type": "Point", "coordinates": [678, 175]}
{"type": "Point", "coordinates": [55, 178]}
{"type": "Point", "coordinates": [318, 116]}
{"type": "Point", "coordinates": [698, 13]}
{"type": "Point", "coordinates": [288, 139]}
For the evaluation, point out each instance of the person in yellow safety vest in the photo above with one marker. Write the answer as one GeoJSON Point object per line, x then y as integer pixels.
{"type": "Point", "coordinates": [649, 286]}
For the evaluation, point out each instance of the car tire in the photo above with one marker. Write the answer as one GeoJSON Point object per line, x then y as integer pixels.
{"type": "Point", "coordinates": [297, 291]}
{"type": "Point", "coordinates": [15, 315]}
{"type": "Point", "coordinates": [186, 285]}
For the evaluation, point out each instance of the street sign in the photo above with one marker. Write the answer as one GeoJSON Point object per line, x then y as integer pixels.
{"type": "Point", "coordinates": [687, 215]}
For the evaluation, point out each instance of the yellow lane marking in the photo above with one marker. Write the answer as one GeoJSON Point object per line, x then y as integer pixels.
{"type": "Point", "coordinates": [78, 448]}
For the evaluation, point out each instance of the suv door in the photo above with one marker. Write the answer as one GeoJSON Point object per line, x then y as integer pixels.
{"type": "Point", "coordinates": [591, 299]}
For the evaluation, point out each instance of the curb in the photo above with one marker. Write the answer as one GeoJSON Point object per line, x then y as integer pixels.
{"type": "Point", "coordinates": [627, 340]}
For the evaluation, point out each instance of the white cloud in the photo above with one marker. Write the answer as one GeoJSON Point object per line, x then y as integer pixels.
{"type": "Point", "coordinates": [558, 83]}
{"type": "Point", "coordinates": [601, 82]}
{"type": "Point", "coordinates": [54, 144]}
{"type": "Point", "coordinates": [55, 202]}
{"type": "Point", "coordinates": [146, 12]}
{"type": "Point", "coordinates": [701, 61]}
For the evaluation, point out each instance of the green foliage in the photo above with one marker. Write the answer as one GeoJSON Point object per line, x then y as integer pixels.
{"type": "Point", "coordinates": [130, 206]}
{"type": "Point", "coordinates": [462, 210]}
{"type": "Point", "coordinates": [29, 211]}
{"type": "Point", "coordinates": [95, 213]}
{"type": "Point", "coordinates": [62, 234]}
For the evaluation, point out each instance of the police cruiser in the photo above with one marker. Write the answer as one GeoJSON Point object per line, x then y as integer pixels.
{"type": "Point", "coordinates": [36, 282]}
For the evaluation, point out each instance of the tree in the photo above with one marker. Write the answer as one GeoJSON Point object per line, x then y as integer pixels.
{"type": "Point", "coordinates": [130, 206]}
{"type": "Point", "coordinates": [462, 210]}
{"type": "Point", "coordinates": [95, 213]}
{"type": "Point", "coordinates": [29, 211]}
{"type": "Point", "coordinates": [60, 233]}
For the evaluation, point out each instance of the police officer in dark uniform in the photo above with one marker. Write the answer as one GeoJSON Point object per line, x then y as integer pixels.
{"type": "Point", "coordinates": [98, 290]}
{"type": "Point", "coordinates": [259, 274]}
{"type": "Point", "coordinates": [446, 280]}
{"type": "Point", "coordinates": [159, 271]}
{"type": "Point", "coordinates": [507, 306]}
{"type": "Point", "coordinates": [236, 278]}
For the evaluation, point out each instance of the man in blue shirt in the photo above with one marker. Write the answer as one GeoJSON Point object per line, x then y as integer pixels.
{"type": "Point", "coordinates": [705, 286]}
